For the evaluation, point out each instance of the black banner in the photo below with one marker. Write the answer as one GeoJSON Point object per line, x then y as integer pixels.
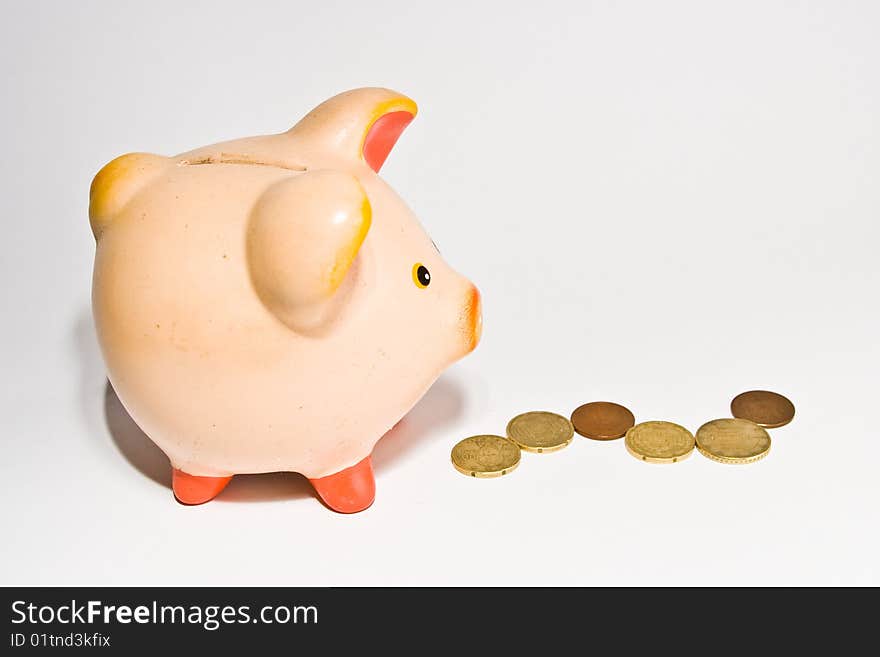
{"type": "Point", "coordinates": [228, 619]}
{"type": "Point", "coordinates": [210, 618]}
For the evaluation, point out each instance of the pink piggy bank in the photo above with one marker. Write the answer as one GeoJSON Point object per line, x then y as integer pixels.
{"type": "Point", "coordinates": [270, 304]}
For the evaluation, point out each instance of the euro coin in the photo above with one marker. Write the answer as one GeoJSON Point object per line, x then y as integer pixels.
{"type": "Point", "coordinates": [485, 456]}
{"type": "Point", "coordinates": [764, 408]}
{"type": "Point", "coordinates": [602, 420]}
{"type": "Point", "coordinates": [659, 442]}
{"type": "Point", "coordinates": [540, 431]}
{"type": "Point", "coordinates": [733, 440]}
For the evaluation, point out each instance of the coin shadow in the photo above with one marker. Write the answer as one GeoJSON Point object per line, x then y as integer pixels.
{"type": "Point", "coordinates": [442, 404]}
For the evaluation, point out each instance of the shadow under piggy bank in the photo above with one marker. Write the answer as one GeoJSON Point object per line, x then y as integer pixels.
{"type": "Point", "coordinates": [442, 404]}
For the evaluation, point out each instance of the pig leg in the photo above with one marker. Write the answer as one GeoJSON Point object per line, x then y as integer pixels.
{"type": "Point", "coordinates": [350, 490]}
{"type": "Point", "coordinates": [190, 489]}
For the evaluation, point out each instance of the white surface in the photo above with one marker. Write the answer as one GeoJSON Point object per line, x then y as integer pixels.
{"type": "Point", "coordinates": [664, 204]}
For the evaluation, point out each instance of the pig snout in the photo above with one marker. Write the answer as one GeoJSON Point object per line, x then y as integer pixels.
{"type": "Point", "coordinates": [472, 319]}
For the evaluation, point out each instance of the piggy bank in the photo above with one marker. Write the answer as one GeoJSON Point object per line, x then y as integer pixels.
{"type": "Point", "coordinates": [270, 304]}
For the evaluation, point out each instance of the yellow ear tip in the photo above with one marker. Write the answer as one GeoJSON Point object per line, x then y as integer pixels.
{"type": "Point", "coordinates": [347, 255]}
{"type": "Point", "coordinates": [116, 183]}
{"type": "Point", "coordinates": [410, 106]}
{"type": "Point", "coordinates": [397, 104]}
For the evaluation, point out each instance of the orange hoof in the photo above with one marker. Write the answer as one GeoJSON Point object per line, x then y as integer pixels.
{"type": "Point", "coordinates": [350, 490]}
{"type": "Point", "coordinates": [190, 489]}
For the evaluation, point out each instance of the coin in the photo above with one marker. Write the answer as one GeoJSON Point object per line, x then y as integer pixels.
{"type": "Point", "coordinates": [733, 441]}
{"type": "Point", "coordinates": [485, 456]}
{"type": "Point", "coordinates": [764, 408]}
{"type": "Point", "coordinates": [602, 420]}
{"type": "Point", "coordinates": [540, 431]}
{"type": "Point", "coordinates": [659, 442]}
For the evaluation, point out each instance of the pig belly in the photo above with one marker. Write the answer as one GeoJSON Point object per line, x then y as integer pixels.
{"type": "Point", "coordinates": [218, 419]}
{"type": "Point", "coordinates": [224, 392]}
{"type": "Point", "coordinates": [243, 394]}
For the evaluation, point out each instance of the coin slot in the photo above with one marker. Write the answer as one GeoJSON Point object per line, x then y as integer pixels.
{"type": "Point", "coordinates": [503, 472]}
{"type": "Point", "coordinates": [232, 158]}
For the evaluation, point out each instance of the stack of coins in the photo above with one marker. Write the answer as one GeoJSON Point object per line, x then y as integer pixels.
{"type": "Point", "coordinates": [488, 456]}
{"type": "Point", "coordinates": [740, 439]}
{"type": "Point", "coordinates": [485, 456]}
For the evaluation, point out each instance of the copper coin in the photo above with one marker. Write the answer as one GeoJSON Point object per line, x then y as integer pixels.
{"type": "Point", "coordinates": [602, 420]}
{"type": "Point", "coordinates": [766, 409]}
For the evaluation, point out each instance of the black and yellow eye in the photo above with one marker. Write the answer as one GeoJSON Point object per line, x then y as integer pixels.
{"type": "Point", "coordinates": [421, 275]}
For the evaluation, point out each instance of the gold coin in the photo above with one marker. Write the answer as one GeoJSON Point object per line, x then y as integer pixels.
{"type": "Point", "coordinates": [540, 431]}
{"type": "Point", "coordinates": [659, 442]}
{"type": "Point", "coordinates": [485, 456]}
{"type": "Point", "coordinates": [764, 408]}
{"type": "Point", "coordinates": [733, 441]}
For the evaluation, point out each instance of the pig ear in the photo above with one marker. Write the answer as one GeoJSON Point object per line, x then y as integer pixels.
{"type": "Point", "coordinates": [302, 238]}
{"type": "Point", "coordinates": [362, 123]}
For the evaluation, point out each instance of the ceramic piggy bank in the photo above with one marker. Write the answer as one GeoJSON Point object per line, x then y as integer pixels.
{"type": "Point", "coordinates": [270, 304]}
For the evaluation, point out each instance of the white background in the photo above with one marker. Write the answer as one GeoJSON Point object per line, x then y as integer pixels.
{"type": "Point", "coordinates": [664, 204]}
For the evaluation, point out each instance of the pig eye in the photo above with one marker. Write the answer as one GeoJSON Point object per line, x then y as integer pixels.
{"type": "Point", "coordinates": [421, 275]}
